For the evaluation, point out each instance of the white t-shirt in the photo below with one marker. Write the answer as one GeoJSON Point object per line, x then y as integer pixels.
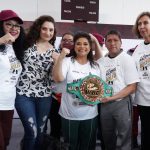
{"type": "Point", "coordinates": [142, 59]}
{"type": "Point", "coordinates": [71, 107]}
{"type": "Point", "coordinates": [118, 72]}
{"type": "Point", "coordinates": [10, 69]}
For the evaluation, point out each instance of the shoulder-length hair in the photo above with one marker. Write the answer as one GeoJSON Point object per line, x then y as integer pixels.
{"type": "Point", "coordinates": [17, 45]}
{"type": "Point", "coordinates": [90, 57]}
{"type": "Point", "coordinates": [34, 31]}
{"type": "Point", "coordinates": [135, 27]}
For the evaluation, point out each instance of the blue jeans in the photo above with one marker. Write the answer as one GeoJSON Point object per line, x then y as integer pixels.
{"type": "Point", "coordinates": [33, 113]}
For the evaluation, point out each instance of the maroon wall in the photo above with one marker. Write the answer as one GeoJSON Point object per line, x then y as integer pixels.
{"type": "Point", "coordinates": [126, 30]}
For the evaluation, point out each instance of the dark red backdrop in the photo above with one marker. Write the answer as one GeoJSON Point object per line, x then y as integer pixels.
{"type": "Point", "coordinates": [126, 30]}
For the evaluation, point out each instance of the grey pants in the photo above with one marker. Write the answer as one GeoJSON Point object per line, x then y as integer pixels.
{"type": "Point", "coordinates": [116, 124]}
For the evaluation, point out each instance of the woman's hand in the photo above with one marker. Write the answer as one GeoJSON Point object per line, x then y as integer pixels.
{"type": "Point", "coordinates": [55, 56]}
{"type": "Point", "coordinates": [7, 39]}
{"type": "Point", "coordinates": [64, 52]}
{"type": "Point", "coordinates": [96, 47]}
{"type": "Point", "coordinates": [93, 38]}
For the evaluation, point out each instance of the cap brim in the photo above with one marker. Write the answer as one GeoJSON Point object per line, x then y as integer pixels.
{"type": "Point", "coordinates": [18, 19]}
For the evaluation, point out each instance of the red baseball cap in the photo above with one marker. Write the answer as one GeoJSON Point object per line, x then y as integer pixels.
{"type": "Point", "coordinates": [99, 37]}
{"type": "Point", "coordinates": [9, 14]}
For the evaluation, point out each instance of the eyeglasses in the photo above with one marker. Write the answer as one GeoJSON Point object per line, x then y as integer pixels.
{"type": "Point", "coordinates": [10, 25]}
{"type": "Point", "coordinates": [67, 40]}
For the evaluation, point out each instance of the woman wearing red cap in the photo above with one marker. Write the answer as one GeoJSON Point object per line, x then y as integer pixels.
{"type": "Point", "coordinates": [11, 52]}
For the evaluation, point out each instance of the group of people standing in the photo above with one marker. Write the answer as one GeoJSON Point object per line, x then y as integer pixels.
{"type": "Point", "coordinates": [30, 63]}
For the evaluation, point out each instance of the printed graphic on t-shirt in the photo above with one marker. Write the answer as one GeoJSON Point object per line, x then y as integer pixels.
{"type": "Point", "coordinates": [144, 65]}
{"type": "Point", "coordinates": [81, 72]}
{"type": "Point", "coordinates": [14, 70]}
{"type": "Point", "coordinates": [111, 76]}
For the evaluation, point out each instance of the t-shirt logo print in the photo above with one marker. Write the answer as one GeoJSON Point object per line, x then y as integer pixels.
{"type": "Point", "coordinates": [110, 76]}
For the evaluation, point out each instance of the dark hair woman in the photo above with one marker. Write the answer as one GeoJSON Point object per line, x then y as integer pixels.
{"type": "Point", "coordinates": [79, 120]}
{"type": "Point", "coordinates": [11, 53]}
{"type": "Point", "coordinates": [33, 98]}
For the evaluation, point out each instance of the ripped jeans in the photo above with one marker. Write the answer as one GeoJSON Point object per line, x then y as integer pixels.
{"type": "Point", "coordinates": [33, 113]}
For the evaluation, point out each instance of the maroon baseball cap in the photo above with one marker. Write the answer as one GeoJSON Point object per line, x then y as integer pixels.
{"type": "Point", "coordinates": [99, 37]}
{"type": "Point", "coordinates": [9, 14]}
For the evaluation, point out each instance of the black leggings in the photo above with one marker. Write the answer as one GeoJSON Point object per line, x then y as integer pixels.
{"type": "Point", "coordinates": [145, 127]}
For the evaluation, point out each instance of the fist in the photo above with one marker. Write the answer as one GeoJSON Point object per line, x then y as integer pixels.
{"type": "Point", "coordinates": [64, 52]}
{"type": "Point", "coordinates": [7, 39]}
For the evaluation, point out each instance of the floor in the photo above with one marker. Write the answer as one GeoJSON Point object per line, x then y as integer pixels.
{"type": "Point", "coordinates": [17, 134]}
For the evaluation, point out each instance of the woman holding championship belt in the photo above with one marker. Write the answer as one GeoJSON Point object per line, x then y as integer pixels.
{"type": "Point", "coordinates": [79, 120]}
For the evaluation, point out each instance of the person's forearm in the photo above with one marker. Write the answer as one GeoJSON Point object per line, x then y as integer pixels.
{"type": "Point", "coordinates": [57, 70]}
{"type": "Point", "coordinates": [98, 50]}
{"type": "Point", "coordinates": [1, 41]}
{"type": "Point", "coordinates": [124, 92]}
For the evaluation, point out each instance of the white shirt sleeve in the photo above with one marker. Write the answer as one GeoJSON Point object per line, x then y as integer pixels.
{"type": "Point", "coordinates": [65, 66]}
{"type": "Point", "coordinates": [130, 71]}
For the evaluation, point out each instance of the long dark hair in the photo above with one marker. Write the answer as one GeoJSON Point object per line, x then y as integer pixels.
{"type": "Point", "coordinates": [17, 45]}
{"type": "Point", "coordinates": [34, 32]}
{"type": "Point", "coordinates": [90, 57]}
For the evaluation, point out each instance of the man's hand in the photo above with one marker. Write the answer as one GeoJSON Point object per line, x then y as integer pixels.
{"type": "Point", "coordinates": [106, 100]}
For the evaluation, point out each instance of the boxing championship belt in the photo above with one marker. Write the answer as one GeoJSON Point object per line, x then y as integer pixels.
{"type": "Point", "coordinates": [90, 89]}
